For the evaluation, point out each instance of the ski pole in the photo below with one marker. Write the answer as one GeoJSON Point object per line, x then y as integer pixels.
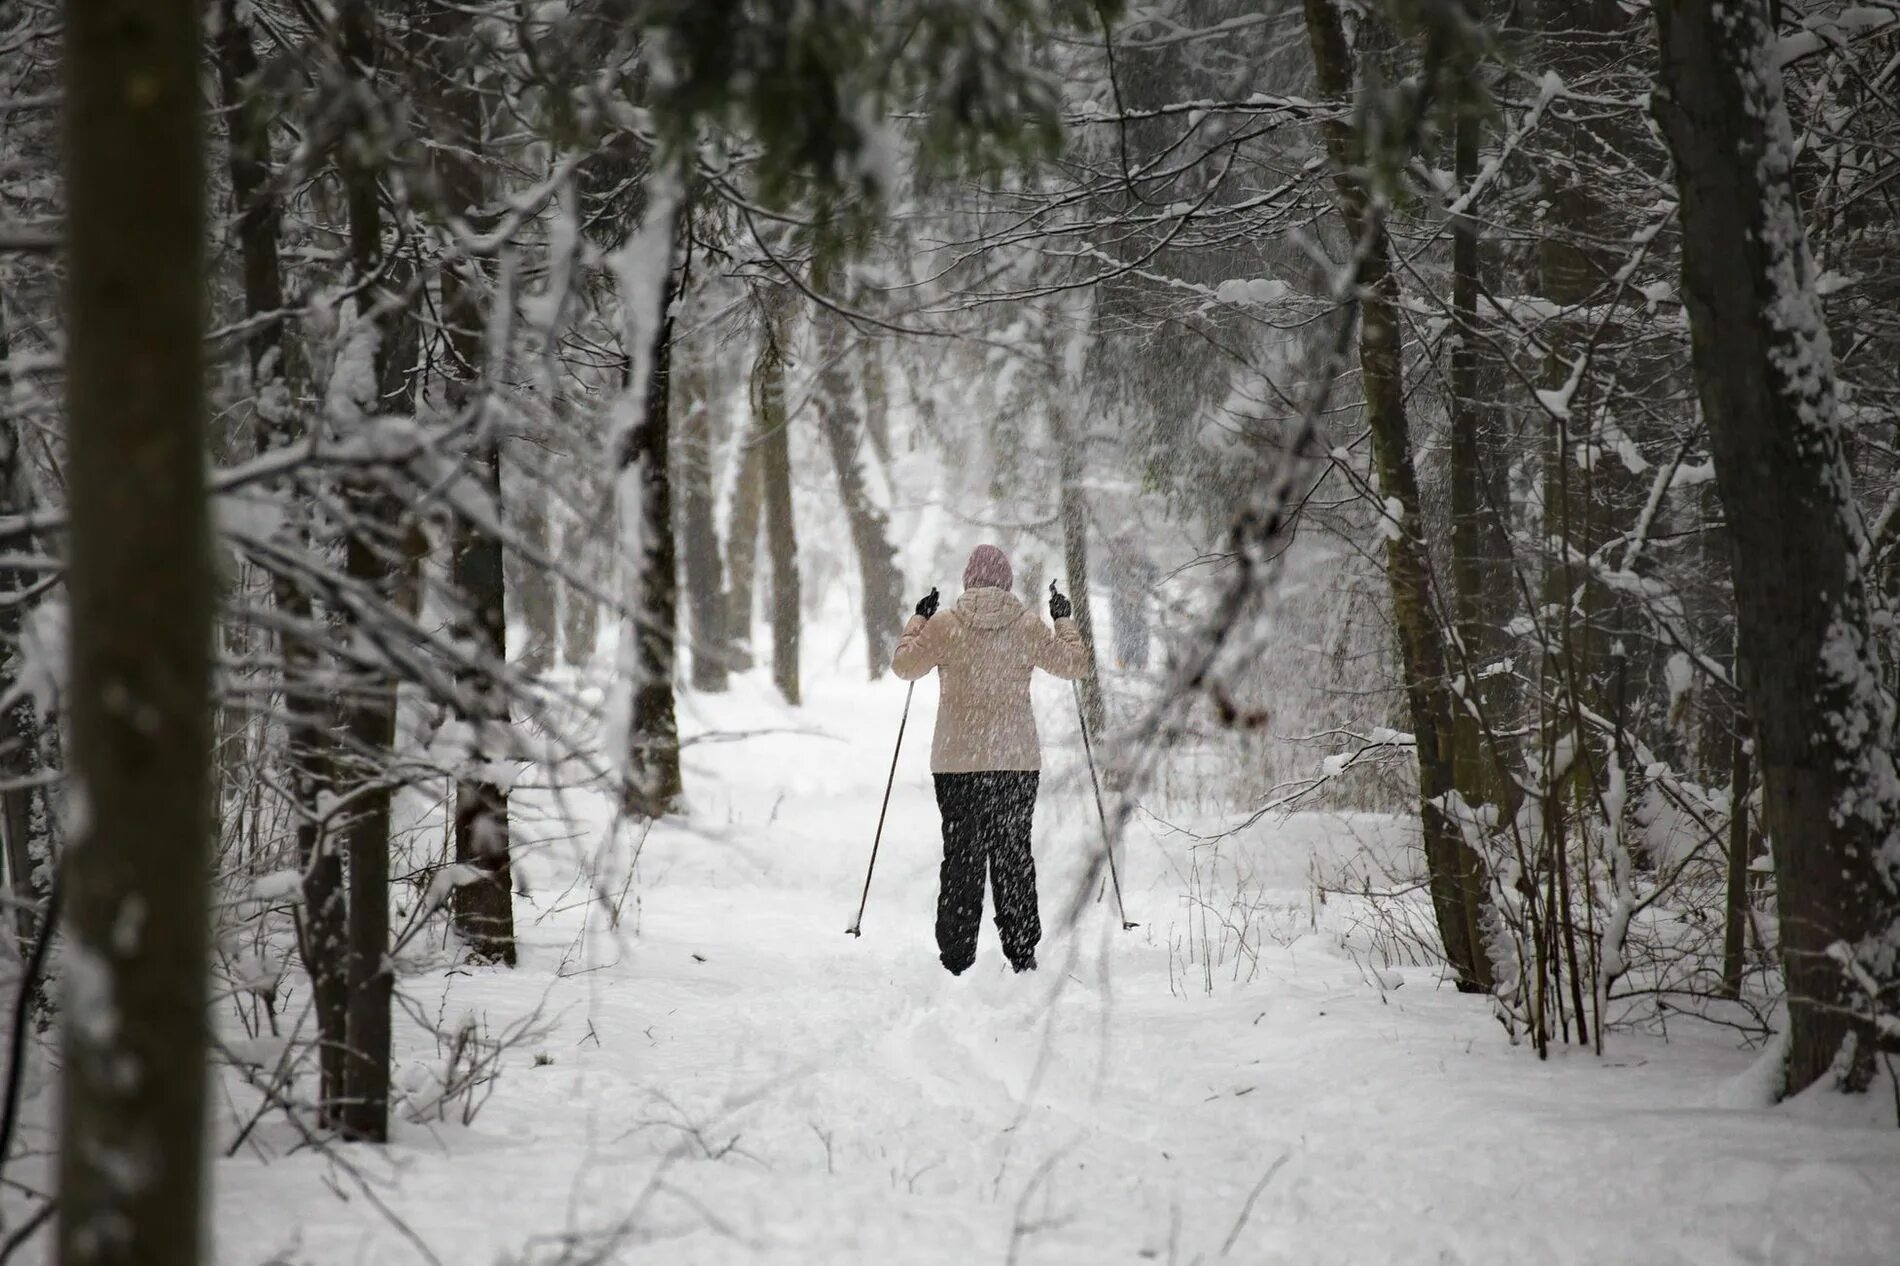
{"type": "Point", "coordinates": [1108, 846]}
{"type": "Point", "coordinates": [857, 925]}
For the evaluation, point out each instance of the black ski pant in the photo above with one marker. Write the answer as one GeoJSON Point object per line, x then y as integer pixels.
{"type": "Point", "coordinates": [986, 825]}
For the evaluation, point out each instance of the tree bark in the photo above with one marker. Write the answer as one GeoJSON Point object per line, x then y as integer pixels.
{"type": "Point", "coordinates": [1449, 860]}
{"type": "Point", "coordinates": [1765, 375]}
{"type": "Point", "coordinates": [247, 121]}
{"type": "Point", "coordinates": [742, 544]}
{"type": "Point", "coordinates": [322, 941]}
{"type": "Point", "coordinates": [881, 586]}
{"type": "Point", "coordinates": [1074, 512]}
{"type": "Point", "coordinates": [1740, 853]}
{"type": "Point", "coordinates": [877, 407]}
{"type": "Point", "coordinates": [1480, 544]}
{"type": "Point", "coordinates": [653, 759]}
{"type": "Point", "coordinates": [22, 809]}
{"type": "Point", "coordinates": [529, 586]}
{"type": "Point", "coordinates": [139, 578]}
{"type": "Point", "coordinates": [482, 908]}
{"type": "Point", "coordinates": [775, 478]}
{"type": "Point", "coordinates": [373, 557]}
{"type": "Point", "coordinates": [580, 609]}
{"type": "Point", "coordinates": [699, 537]}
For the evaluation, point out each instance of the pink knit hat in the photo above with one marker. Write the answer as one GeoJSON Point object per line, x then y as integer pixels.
{"type": "Point", "coordinates": [988, 568]}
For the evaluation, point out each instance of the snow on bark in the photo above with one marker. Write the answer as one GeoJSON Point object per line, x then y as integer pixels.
{"type": "Point", "coordinates": [641, 267]}
{"type": "Point", "coordinates": [39, 669]}
{"type": "Point", "coordinates": [1862, 714]}
{"type": "Point", "coordinates": [1766, 378]}
{"type": "Point", "coordinates": [1611, 963]}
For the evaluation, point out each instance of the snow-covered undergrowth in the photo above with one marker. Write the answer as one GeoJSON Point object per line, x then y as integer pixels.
{"type": "Point", "coordinates": [717, 1073]}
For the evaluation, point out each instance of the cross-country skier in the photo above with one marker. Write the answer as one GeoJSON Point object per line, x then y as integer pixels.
{"type": "Point", "coordinates": [985, 755]}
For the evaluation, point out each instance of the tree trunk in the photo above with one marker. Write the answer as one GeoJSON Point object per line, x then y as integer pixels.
{"type": "Point", "coordinates": [372, 558]}
{"type": "Point", "coordinates": [140, 584]}
{"type": "Point", "coordinates": [322, 940]}
{"type": "Point", "coordinates": [775, 478]}
{"type": "Point", "coordinates": [1765, 376]}
{"type": "Point", "coordinates": [882, 587]}
{"type": "Point", "coordinates": [1449, 860]}
{"type": "Point", "coordinates": [742, 544]}
{"type": "Point", "coordinates": [699, 536]}
{"type": "Point", "coordinates": [482, 908]}
{"type": "Point", "coordinates": [22, 809]}
{"type": "Point", "coordinates": [1074, 512]}
{"type": "Point", "coordinates": [877, 407]}
{"type": "Point", "coordinates": [529, 586]}
{"type": "Point", "coordinates": [653, 756]}
{"type": "Point", "coordinates": [371, 726]}
{"type": "Point", "coordinates": [580, 609]}
{"type": "Point", "coordinates": [1480, 545]}
{"type": "Point", "coordinates": [247, 121]}
{"type": "Point", "coordinates": [1740, 853]}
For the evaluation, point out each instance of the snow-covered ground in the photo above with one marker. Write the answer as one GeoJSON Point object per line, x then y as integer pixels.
{"type": "Point", "coordinates": [727, 1077]}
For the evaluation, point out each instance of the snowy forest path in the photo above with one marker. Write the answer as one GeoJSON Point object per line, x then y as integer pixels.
{"type": "Point", "coordinates": [727, 1077]}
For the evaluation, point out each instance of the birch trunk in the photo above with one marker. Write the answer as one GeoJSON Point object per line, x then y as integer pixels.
{"type": "Point", "coordinates": [653, 756]}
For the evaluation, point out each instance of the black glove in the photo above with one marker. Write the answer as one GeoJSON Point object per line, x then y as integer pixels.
{"type": "Point", "coordinates": [1059, 607]}
{"type": "Point", "coordinates": [927, 605]}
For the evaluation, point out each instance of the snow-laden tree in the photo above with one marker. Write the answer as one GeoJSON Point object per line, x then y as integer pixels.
{"type": "Point", "coordinates": [1767, 383]}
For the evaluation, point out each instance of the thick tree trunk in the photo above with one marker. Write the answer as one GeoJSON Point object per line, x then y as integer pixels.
{"type": "Point", "coordinates": [881, 586]}
{"type": "Point", "coordinates": [699, 536]}
{"type": "Point", "coordinates": [877, 407]}
{"type": "Point", "coordinates": [775, 479]}
{"type": "Point", "coordinates": [1449, 860]}
{"type": "Point", "coordinates": [580, 609]}
{"type": "Point", "coordinates": [1765, 375]}
{"type": "Point", "coordinates": [139, 579]}
{"type": "Point", "coordinates": [483, 908]}
{"type": "Point", "coordinates": [370, 724]}
{"type": "Point", "coordinates": [373, 557]}
{"type": "Point", "coordinates": [653, 758]}
{"type": "Point", "coordinates": [322, 938]}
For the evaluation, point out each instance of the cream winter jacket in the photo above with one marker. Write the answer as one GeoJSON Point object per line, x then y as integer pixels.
{"type": "Point", "coordinates": [984, 649]}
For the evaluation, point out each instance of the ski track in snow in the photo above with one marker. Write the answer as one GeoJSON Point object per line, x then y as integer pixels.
{"type": "Point", "coordinates": [803, 1096]}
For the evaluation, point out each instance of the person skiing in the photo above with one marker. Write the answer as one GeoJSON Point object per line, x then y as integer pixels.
{"type": "Point", "coordinates": [985, 756]}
